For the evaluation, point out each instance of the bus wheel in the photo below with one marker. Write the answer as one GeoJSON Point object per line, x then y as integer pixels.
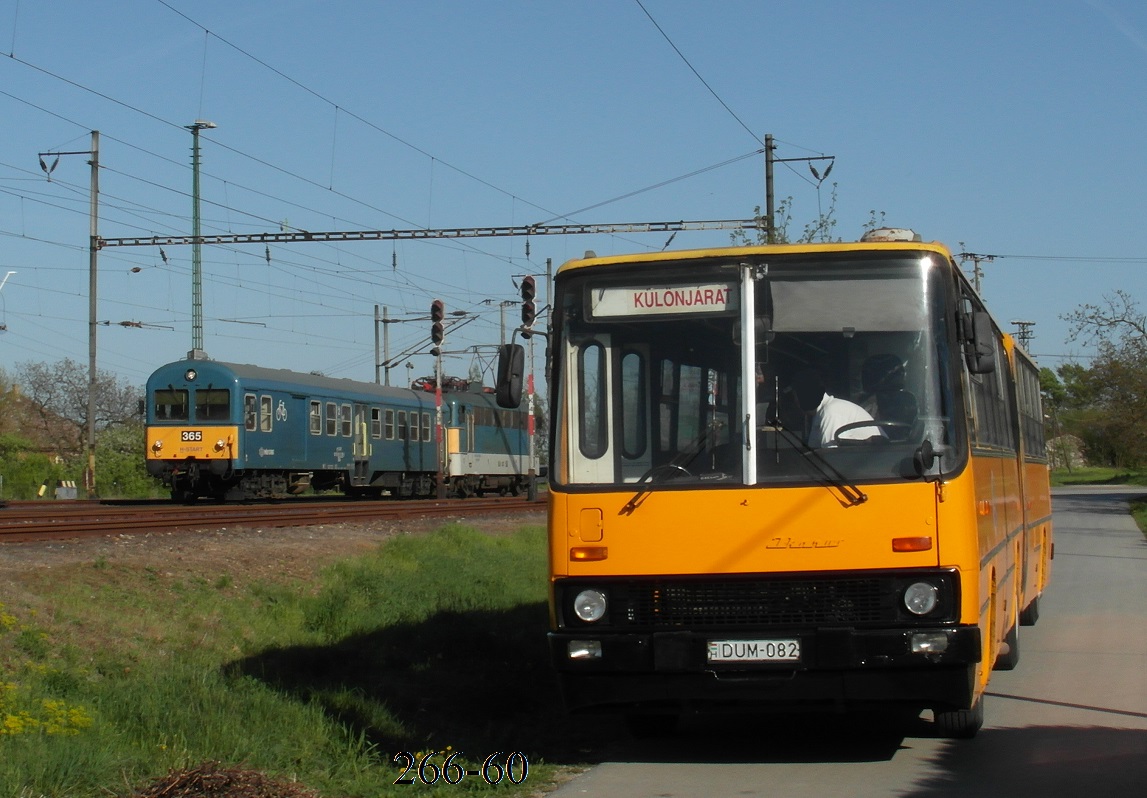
{"type": "Point", "coordinates": [960, 724]}
{"type": "Point", "coordinates": [1009, 659]}
{"type": "Point", "coordinates": [645, 727]}
{"type": "Point", "coordinates": [1030, 613]}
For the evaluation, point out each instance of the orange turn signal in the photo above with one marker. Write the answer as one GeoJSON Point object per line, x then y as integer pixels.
{"type": "Point", "coordinates": [584, 553]}
{"type": "Point", "coordinates": [912, 544]}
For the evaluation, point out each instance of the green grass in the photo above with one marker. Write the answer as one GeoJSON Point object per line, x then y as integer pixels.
{"type": "Point", "coordinates": [1098, 475]}
{"type": "Point", "coordinates": [113, 674]}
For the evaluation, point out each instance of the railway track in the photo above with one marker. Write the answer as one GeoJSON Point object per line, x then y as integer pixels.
{"type": "Point", "coordinates": [39, 521]}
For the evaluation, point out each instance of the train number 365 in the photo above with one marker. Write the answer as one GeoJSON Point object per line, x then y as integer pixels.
{"type": "Point", "coordinates": [191, 435]}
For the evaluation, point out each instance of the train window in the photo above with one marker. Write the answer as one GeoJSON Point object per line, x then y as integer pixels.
{"type": "Point", "coordinates": [414, 426]}
{"type": "Point", "coordinates": [265, 420]}
{"type": "Point", "coordinates": [332, 418]}
{"type": "Point", "coordinates": [375, 422]}
{"type": "Point", "coordinates": [250, 412]}
{"type": "Point", "coordinates": [171, 405]}
{"type": "Point", "coordinates": [212, 404]}
{"type": "Point", "coordinates": [425, 426]}
{"type": "Point", "coordinates": [402, 425]}
{"type": "Point", "coordinates": [389, 424]}
{"type": "Point", "coordinates": [344, 420]}
{"type": "Point", "coordinates": [316, 418]}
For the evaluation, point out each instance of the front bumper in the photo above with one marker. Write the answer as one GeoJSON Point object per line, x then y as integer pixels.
{"type": "Point", "coordinates": [841, 668]}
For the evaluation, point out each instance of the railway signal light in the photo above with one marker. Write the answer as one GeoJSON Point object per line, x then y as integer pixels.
{"type": "Point", "coordinates": [437, 326]}
{"type": "Point", "coordinates": [529, 310]}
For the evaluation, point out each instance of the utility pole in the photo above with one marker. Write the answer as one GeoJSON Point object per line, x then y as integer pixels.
{"type": "Point", "coordinates": [770, 235]}
{"type": "Point", "coordinates": [196, 245]}
{"type": "Point", "coordinates": [770, 200]}
{"type": "Point", "coordinates": [383, 364]}
{"type": "Point", "coordinates": [94, 244]}
{"type": "Point", "coordinates": [1024, 333]}
{"type": "Point", "coordinates": [93, 256]}
{"type": "Point", "coordinates": [438, 338]}
{"type": "Point", "coordinates": [385, 343]}
{"type": "Point", "coordinates": [977, 272]}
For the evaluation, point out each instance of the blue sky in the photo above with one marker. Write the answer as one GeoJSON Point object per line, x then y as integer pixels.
{"type": "Point", "coordinates": [1011, 129]}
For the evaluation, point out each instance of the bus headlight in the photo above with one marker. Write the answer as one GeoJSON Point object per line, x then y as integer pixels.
{"type": "Point", "coordinates": [920, 598]}
{"type": "Point", "coordinates": [589, 605]}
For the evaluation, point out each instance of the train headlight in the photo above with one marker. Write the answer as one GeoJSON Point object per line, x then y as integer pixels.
{"type": "Point", "coordinates": [219, 445]}
{"type": "Point", "coordinates": [589, 605]}
{"type": "Point", "coordinates": [157, 446]}
{"type": "Point", "coordinates": [920, 598]}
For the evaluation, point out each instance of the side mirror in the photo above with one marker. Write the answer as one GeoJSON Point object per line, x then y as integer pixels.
{"type": "Point", "coordinates": [924, 458]}
{"type": "Point", "coordinates": [979, 351]}
{"type": "Point", "coordinates": [511, 368]}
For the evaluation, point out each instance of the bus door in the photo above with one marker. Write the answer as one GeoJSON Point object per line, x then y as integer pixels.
{"type": "Point", "coordinates": [589, 453]}
{"type": "Point", "coordinates": [361, 447]}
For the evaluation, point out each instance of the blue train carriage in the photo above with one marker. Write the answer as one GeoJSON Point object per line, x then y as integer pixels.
{"type": "Point", "coordinates": [231, 431]}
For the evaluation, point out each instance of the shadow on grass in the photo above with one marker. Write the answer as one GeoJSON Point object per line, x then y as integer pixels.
{"type": "Point", "coordinates": [482, 682]}
{"type": "Point", "coordinates": [478, 681]}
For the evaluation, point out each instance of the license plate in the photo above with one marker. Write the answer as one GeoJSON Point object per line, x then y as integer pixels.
{"type": "Point", "coordinates": [787, 650]}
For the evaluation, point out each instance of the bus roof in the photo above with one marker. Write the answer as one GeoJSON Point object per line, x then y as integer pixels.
{"type": "Point", "coordinates": [592, 261]}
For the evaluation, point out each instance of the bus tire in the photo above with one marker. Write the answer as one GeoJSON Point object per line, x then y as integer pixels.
{"type": "Point", "coordinates": [1009, 657]}
{"type": "Point", "coordinates": [960, 724]}
{"type": "Point", "coordinates": [1030, 613]}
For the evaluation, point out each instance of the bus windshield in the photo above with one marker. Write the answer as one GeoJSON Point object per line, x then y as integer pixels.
{"type": "Point", "coordinates": [650, 368]}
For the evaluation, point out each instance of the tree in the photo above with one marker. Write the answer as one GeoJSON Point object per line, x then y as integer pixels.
{"type": "Point", "coordinates": [58, 393]}
{"type": "Point", "coordinates": [1107, 403]}
{"type": "Point", "coordinates": [122, 468]}
{"type": "Point", "coordinates": [819, 230]}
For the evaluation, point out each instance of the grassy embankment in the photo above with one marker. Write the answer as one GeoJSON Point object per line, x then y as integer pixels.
{"type": "Point", "coordinates": [111, 675]}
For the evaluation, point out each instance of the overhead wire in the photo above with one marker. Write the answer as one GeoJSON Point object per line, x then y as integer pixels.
{"type": "Point", "coordinates": [142, 214]}
{"type": "Point", "coordinates": [693, 69]}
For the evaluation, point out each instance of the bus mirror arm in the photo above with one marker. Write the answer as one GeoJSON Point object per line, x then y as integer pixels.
{"type": "Point", "coordinates": [925, 457]}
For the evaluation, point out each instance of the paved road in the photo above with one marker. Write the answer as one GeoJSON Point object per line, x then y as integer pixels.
{"type": "Point", "coordinates": [1071, 720]}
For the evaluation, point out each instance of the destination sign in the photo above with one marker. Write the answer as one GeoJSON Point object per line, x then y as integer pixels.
{"type": "Point", "coordinates": [662, 300]}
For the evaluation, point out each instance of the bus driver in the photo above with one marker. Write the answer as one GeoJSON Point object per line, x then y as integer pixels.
{"type": "Point", "coordinates": [829, 413]}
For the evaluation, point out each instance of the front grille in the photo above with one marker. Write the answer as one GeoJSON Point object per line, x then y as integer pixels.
{"type": "Point", "coordinates": [755, 602]}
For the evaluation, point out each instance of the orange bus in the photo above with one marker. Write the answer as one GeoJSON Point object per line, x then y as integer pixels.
{"type": "Point", "coordinates": [788, 477]}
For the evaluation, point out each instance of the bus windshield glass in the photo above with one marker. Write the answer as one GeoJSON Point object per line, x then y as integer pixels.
{"type": "Point", "coordinates": [650, 367]}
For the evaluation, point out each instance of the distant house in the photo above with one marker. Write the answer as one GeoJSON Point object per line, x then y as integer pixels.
{"type": "Point", "coordinates": [1066, 451]}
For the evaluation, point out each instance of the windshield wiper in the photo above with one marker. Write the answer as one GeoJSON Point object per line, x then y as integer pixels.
{"type": "Point", "coordinates": [677, 465]}
{"type": "Point", "coordinates": [850, 494]}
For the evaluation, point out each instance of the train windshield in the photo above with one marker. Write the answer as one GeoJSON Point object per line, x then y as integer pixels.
{"type": "Point", "coordinates": [847, 371]}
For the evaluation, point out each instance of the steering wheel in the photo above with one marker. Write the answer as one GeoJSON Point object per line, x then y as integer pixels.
{"type": "Point", "coordinates": [839, 441]}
